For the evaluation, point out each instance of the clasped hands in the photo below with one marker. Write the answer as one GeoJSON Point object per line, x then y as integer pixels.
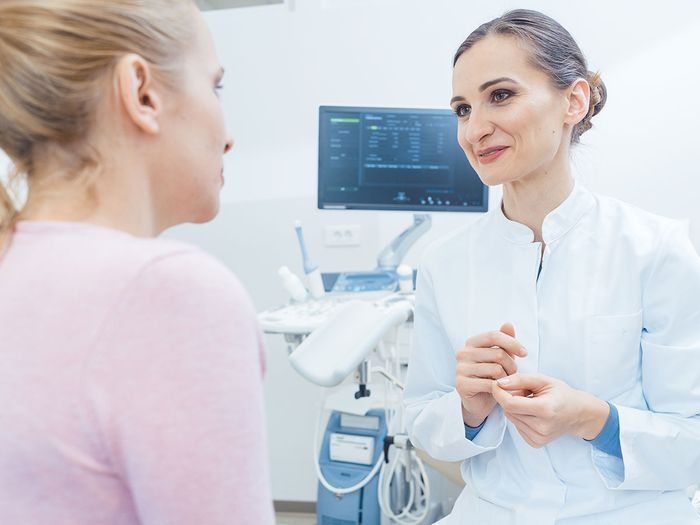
{"type": "Point", "coordinates": [541, 408]}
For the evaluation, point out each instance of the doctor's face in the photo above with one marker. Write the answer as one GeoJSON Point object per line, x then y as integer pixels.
{"type": "Point", "coordinates": [511, 118]}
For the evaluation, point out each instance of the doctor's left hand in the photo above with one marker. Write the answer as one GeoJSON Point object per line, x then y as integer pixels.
{"type": "Point", "coordinates": [551, 410]}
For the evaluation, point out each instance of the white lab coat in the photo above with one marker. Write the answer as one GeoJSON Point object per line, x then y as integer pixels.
{"type": "Point", "coordinates": [615, 312]}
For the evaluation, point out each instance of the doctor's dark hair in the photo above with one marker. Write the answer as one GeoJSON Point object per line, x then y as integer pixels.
{"type": "Point", "coordinates": [56, 57]}
{"type": "Point", "coordinates": [552, 50]}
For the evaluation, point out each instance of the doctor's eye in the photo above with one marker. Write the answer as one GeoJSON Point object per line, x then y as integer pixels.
{"type": "Point", "coordinates": [500, 95]}
{"type": "Point", "coordinates": [463, 110]}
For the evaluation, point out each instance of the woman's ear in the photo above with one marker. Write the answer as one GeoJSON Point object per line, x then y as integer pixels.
{"type": "Point", "coordinates": [137, 93]}
{"type": "Point", "coordinates": [577, 98]}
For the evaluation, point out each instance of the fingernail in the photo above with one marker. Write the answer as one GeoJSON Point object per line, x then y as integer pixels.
{"type": "Point", "coordinates": [504, 381]}
{"type": "Point", "coordinates": [524, 350]}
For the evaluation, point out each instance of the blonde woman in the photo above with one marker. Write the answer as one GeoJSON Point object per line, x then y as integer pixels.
{"type": "Point", "coordinates": [130, 366]}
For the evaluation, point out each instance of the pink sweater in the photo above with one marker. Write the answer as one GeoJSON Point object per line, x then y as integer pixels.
{"type": "Point", "coordinates": [130, 383]}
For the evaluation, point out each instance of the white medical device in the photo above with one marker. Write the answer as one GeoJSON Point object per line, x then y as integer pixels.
{"type": "Point", "coordinates": [339, 346]}
{"type": "Point", "coordinates": [293, 285]}
{"type": "Point", "coordinates": [297, 320]}
{"type": "Point", "coordinates": [343, 334]}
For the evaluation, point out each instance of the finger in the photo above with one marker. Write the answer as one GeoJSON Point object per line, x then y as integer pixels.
{"type": "Point", "coordinates": [508, 329]}
{"type": "Point", "coordinates": [527, 438]}
{"type": "Point", "coordinates": [486, 354]}
{"type": "Point", "coordinates": [470, 386]}
{"type": "Point", "coordinates": [483, 370]}
{"type": "Point", "coordinates": [528, 422]}
{"type": "Point", "coordinates": [501, 396]}
{"type": "Point", "coordinates": [493, 355]}
{"type": "Point", "coordinates": [540, 431]}
{"type": "Point", "coordinates": [529, 435]}
{"type": "Point", "coordinates": [520, 393]}
{"type": "Point", "coordinates": [499, 339]}
{"type": "Point", "coordinates": [516, 404]}
{"type": "Point", "coordinates": [533, 382]}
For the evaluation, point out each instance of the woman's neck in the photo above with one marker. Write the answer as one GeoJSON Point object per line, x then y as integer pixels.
{"type": "Point", "coordinates": [529, 200]}
{"type": "Point", "coordinates": [113, 198]}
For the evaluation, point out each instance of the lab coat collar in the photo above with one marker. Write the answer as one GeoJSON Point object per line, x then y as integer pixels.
{"type": "Point", "coordinates": [557, 222]}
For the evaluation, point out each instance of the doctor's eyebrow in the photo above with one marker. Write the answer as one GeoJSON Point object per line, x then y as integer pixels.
{"type": "Point", "coordinates": [490, 83]}
{"type": "Point", "coordinates": [485, 86]}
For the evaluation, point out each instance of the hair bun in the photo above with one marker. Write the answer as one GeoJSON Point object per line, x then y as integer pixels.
{"type": "Point", "coordinates": [599, 94]}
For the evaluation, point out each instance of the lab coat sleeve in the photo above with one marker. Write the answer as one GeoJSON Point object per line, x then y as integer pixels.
{"type": "Point", "coordinates": [433, 406]}
{"type": "Point", "coordinates": [661, 445]}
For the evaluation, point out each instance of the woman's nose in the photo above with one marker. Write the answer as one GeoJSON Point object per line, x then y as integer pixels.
{"type": "Point", "coordinates": [478, 127]}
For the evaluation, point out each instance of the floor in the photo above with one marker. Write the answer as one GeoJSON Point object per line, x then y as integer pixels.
{"type": "Point", "coordinates": [295, 518]}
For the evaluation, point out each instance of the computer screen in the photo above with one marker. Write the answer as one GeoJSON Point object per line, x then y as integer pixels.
{"type": "Point", "coordinates": [394, 159]}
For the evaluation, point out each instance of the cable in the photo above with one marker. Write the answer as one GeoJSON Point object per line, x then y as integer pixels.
{"type": "Point", "coordinates": [416, 480]}
{"type": "Point", "coordinates": [339, 491]}
{"type": "Point", "coordinates": [417, 505]}
{"type": "Point", "coordinates": [390, 377]}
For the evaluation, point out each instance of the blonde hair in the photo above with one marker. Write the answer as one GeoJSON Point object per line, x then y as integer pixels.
{"type": "Point", "coordinates": [55, 56]}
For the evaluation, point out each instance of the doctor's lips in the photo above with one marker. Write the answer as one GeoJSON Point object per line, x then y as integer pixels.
{"type": "Point", "coordinates": [490, 154]}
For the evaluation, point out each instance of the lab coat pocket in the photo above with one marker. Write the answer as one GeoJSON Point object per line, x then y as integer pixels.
{"type": "Point", "coordinates": [612, 353]}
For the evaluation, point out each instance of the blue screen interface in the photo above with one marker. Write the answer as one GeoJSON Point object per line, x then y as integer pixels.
{"type": "Point", "coordinates": [394, 159]}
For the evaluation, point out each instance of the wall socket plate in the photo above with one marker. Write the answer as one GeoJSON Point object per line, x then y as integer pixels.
{"type": "Point", "coordinates": [342, 235]}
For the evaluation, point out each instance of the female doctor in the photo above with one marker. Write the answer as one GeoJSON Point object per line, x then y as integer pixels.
{"type": "Point", "coordinates": [576, 397]}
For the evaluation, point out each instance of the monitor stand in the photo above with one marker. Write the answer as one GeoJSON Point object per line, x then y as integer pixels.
{"type": "Point", "coordinates": [391, 256]}
{"type": "Point", "coordinates": [384, 277]}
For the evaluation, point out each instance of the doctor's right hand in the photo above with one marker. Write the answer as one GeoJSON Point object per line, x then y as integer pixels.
{"type": "Point", "coordinates": [485, 358]}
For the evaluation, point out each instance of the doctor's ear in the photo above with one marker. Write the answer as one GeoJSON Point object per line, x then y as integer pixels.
{"type": "Point", "coordinates": [578, 96]}
{"type": "Point", "coordinates": [137, 93]}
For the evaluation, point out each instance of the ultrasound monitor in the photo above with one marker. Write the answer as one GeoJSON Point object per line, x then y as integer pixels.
{"type": "Point", "coordinates": [394, 159]}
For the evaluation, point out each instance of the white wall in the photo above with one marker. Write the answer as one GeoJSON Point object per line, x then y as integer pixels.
{"type": "Point", "coordinates": [282, 64]}
{"type": "Point", "coordinates": [645, 147]}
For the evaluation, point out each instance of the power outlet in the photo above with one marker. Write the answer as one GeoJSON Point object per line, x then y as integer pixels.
{"type": "Point", "coordinates": [342, 235]}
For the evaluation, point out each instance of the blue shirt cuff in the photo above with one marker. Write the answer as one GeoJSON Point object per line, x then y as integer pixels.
{"type": "Point", "coordinates": [608, 440]}
{"type": "Point", "coordinates": [471, 432]}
